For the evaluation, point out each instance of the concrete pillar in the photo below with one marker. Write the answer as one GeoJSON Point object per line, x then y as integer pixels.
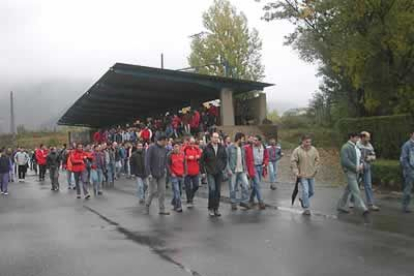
{"type": "Point", "coordinates": [262, 108]}
{"type": "Point", "coordinates": [226, 107]}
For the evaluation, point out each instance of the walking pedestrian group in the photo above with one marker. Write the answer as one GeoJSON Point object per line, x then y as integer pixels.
{"type": "Point", "coordinates": [155, 160]}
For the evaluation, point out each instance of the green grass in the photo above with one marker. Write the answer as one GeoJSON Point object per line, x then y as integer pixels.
{"type": "Point", "coordinates": [31, 140]}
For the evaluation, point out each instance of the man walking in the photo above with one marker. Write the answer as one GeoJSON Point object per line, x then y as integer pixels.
{"type": "Point", "coordinates": [138, 169]}
{"type": "Point", "coordinates": [78, 160]}
{"type": "Point", "coordinates": [5, 168]}
{"type": "Point", "coordinates": [53, 164]}
{"type": "Point", "coordinates": [214, 161]}
{"type": "Point", "coordinates": [275, 154]}
{"type": "Point", "coordinates": [257, 159]}
{"type": "Point", "coordinates": [236, 167]}
{"type": "Point", "coordinates": [367, 157]}
{"type": "Point", "coordinates": [21, 159]}
{"type": "Point", "coordinates": [305, 165]}
{"type": "Point", "coordinates": [41, 155]}
{"type": "Point", "coordinates": [176, 169]}
{"type": "Point", "coordinates": [97, 168]}
{"type": "Point", "coordinates": [352, 166]}
{"type": "Point", "coordinates": [156, 167]}
{"type": "Point", "coordinates": [407, 162]}
{"type": "Point", "coordinates": [192, 158]}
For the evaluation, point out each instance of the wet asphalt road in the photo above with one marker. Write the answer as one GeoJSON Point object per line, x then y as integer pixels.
{"type": "Point", "coordinates": [44, 233]}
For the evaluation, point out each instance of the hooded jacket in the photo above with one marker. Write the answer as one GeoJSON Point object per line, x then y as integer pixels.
{"type": "Point", "coordinates": [192, 159]}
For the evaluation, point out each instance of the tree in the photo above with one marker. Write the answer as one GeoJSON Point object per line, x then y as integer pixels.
{"type": "Point", "coordinates": [229, 47]}
{"type": "Point", "coordinates": [365, 50]}
{"type": "Point", "coordinates": [273, 116]}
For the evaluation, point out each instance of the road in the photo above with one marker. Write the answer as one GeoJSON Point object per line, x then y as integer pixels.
{"type": "Point", "coordinates": [43, 233]}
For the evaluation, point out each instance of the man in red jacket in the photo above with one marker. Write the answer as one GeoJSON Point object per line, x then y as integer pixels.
{"type": "Point", "coordinates": [176, 169]}
{"type": "Point", "coordinates": [78, 159]}
{"type": "Point", "coordinates": [41, 155]}
{"type": "Point", "coordinates": [195, 123]}
{"type": "Point", "coordinates": [257, 159]}
{"type": "Point", "coordinates": [192, 155]}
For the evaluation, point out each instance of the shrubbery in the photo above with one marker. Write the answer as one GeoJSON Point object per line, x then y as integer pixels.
{"type": "Point", "coordinates": [388, 132]}
{"type": "Point", "coordinates": [388, 174]}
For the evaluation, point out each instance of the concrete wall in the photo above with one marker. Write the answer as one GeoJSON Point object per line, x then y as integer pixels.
{"type": "Point", "coordinates": [253, 109]}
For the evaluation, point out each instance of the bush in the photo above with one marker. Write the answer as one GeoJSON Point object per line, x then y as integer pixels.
{"type": "Point", "coordinates": [295, 121]}
{"type": "Point", "coordinates": [388, 132]}
{"type": "Point", "coordinates": [388, 174]}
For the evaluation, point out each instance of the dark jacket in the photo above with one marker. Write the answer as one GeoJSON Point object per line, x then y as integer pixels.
{"type": "Point", "coordinates": [137, 163]}
{"type": "Point", "coordinates": [232, 158]}
{"type": "Point", "coordinates": [156, 161]}
{"type": "Point", "coordinates": [53, 160]}
{"type": "Point", "coordinates": [407, 156]}
{"type": "Point", "coordinates": [5, 165]}
{"type": "Point", "coordinates": [213, 163]}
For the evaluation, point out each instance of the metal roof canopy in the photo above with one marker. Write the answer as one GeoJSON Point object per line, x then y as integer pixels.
{"type": "Point", "coordinates": [128, 92]}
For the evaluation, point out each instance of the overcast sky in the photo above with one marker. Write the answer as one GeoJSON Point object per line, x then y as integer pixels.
{"type": "Point", "coordinates": [41, 39]}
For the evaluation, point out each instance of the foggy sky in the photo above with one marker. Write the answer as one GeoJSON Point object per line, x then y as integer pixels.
{"type": "Point", "coordinates": [42, 41]}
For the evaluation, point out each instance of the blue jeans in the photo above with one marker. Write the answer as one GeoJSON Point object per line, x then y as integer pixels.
{"type": "Point", "coordinates": [239, 177]}
{"type": "Point", "coordinates": [110, 170]}
{"type": "Point", "coordinates": [191, 186]}
{"type": "Point", "coordinates": [307, 191]}
{"type": "Point", "coordinates": [256, 181]}
{"type": "Point", "coordinates": [214, 189]}
{"type": "Point", "coordinates": [273, 171]}
{"type": "Point", "coordinates": [408, 187]}
{"type": "Point", "coordinates": [81, 178]}
{"type": "Point", "coordinates": [141, 188]}
{"type": "Point", "coordinates": [176, 183]}
{"type": "Point", "coordinates": [70, 178]}
{"type": "Point", "coordinates": [96, 179]}
{"type": "Point", "coordinates": [369, 194]}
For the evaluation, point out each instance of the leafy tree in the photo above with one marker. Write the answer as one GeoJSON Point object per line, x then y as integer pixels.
{"type": "Point", "coordinates": [365, 49]}
{"type": "Point", "coordinates": [229, 47]}
{"type": "Point", "coordinates": [273, 116]}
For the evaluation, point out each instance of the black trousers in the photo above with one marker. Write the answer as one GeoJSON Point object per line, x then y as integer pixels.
{"type": "Point", "coordinates": [42, 172]}
{"type": "Point", "coordinates": [214, 189]}
{"type": "Point", "coordinates": [22, 171]}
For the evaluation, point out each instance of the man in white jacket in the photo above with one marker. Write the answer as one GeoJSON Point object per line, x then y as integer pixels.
{"type": "Point", "coordinates": [21, 158]}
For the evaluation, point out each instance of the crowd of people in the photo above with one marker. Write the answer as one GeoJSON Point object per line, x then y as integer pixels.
{"type": "Point", "coordinates": [187, 162]}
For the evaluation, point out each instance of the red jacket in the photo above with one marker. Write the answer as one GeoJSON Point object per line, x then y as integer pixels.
{"type": "Point", "coordinates": [213, 111]}
{"type": "Point", "coordinates": [195, 120]}
{"type": "Point", "coordinates": [250, 160]}
{"type": "Point", "coordinates": [97, 137]}
{"type": "Point", "coordinates": [176, 121]}
{"type": "Point", "coordinates": [176, 163]}
{"type": "Point", "coordinates": [41, 156]}
{"type": "Point", "coordinates": [78, 161]}
{"type": "Point", "coordinates": [146, 134]}
{"type": "Point", "coordinates": [192, 158]}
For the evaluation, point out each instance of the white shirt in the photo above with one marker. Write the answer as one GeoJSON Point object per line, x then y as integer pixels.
{"type": "Point", "coordinates": [239, 163]}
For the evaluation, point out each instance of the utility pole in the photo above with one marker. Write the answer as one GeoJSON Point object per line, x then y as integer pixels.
{"type": "Point", "coordinates": [12, 122]}
{"type": "Point", "coordinates": [162, 61]}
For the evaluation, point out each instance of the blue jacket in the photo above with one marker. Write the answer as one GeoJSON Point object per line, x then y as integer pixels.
{"type": "Point", "coordinates": [407, 156]}
{"type": "Point", "coordinates": [275, 152]}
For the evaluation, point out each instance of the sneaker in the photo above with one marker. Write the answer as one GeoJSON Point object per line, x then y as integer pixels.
{"type": "Point", "coordinates": [78, 197]}
{"type": "Point", "coordinates": [99, 192]}
{"type": "Point", "coordinates": [88, 196]}
{"type": "Point", "coordinates": [179, 210]}
{"type": "Point", "coordinates": [374, 208]}
{"type": "Point", "coordinates": [365, 213]}
{"type": "Point", "coordinates": [211, 213]}
{"type": "Point", "coordinates": [190, 205]}
{"type": "Point", "coordinates": [234, 207]}
{"type": "Point", "coordinates": [245, 205]}
{"type": "Point", "coordinates": [217, 213]}
{"type": "Point", "coordinates": [306, 213]}
{"type": "Point", "coordinates": [164, 213]}
{"type": "Point", "coordinates": [262, 206]}
{"type": "Point", "coordinates": [273, 187]}
{"type": "Point", "coordinates": [6, 193]}
{"type": "Point", "coordinates": [343, 211]}
{"type": "Point", "coordinates": [141, 201]}
{"type": "Point", "coordinates": [407, 211]}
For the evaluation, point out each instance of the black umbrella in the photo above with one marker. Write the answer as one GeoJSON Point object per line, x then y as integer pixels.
{"type": "Point", "coordinates": [296, 190]}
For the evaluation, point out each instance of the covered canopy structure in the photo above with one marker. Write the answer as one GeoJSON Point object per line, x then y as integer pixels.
{"type": "Point", "coordinates": [128, 92]}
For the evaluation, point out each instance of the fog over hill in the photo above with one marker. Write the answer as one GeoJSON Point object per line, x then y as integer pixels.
{"type": "Point", "coordinates": [39, 104]}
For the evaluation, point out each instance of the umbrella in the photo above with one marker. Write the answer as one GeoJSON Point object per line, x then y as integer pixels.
{"type": "Point", "coordinates": [296, 190]}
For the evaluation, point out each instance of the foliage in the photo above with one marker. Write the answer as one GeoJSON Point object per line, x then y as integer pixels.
{"type": "Point", "coordinates": [365, 50]}
{"type": "Point", "coordinates": [295, 121]}
{"type": "Point", "coordinates": [31, 140]}
{"type": "Point", "coordinates": [273, 116]}
{"type": "Point", "coordinates": [229, 47]}
{"type": "Point", "coordinates": [322, 137]}
{"type": "Point", "coordinates": [388, 132]}
{"type": "Point", "coordinates": [388, 174]}
{"type": "Point", "coordinates": [21, 129]}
